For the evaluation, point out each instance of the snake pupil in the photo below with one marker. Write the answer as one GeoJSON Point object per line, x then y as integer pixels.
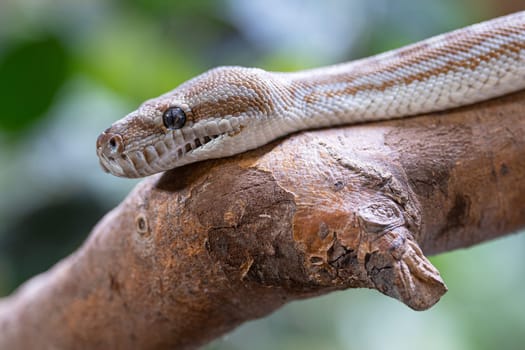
{"type": "Point", "coordinates": [174, 118]}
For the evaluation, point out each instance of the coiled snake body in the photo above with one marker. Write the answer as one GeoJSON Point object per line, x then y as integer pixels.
{"type": "Point", "coordinates": [230, 110]}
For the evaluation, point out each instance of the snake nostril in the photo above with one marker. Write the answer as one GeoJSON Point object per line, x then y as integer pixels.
{"type": "Point", "coordinates": [115, 143]}
{"type": "Point", "coordinates": [110, 143]}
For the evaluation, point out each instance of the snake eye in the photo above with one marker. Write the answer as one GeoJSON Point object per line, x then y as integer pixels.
{"type": "Point", "coordinates": [174, 118]}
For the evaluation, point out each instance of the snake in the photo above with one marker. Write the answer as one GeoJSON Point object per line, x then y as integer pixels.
{"type": "Point", "coordinates": [231, 109]}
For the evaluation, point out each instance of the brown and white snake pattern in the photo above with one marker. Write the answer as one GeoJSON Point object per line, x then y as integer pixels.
{"type": "Point", "coordinates": [229, 110]}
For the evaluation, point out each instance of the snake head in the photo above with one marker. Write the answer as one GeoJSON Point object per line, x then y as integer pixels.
{"type": "Point", "coordinates": [222, 112]}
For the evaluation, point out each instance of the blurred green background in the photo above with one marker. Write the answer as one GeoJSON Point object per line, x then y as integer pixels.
{"type": "Point", "coordinates": [68, 69]}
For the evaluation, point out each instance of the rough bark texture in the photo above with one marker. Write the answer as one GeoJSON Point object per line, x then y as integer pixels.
{"type": "Point", "coordinates": [194, 252]}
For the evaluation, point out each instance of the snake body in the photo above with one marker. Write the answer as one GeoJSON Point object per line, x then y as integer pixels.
{"type": "Point", "coordinates": [229, 110]}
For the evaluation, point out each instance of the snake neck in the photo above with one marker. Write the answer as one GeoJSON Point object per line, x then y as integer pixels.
{"type": "Point", "coordinates": [451, 70]}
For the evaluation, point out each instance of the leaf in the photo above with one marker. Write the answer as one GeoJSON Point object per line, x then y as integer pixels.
{"type": "Point", "coordinates": [30, 75]}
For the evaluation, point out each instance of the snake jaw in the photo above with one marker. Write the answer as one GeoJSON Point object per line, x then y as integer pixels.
{"type": "Point", "coordinates": [211, 138]}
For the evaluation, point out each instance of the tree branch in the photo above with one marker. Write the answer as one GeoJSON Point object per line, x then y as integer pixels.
{"type": "Point", "coordinates": [193, 253]}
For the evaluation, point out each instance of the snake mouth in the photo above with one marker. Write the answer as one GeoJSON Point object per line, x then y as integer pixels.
{"type": "Point", "coordinates": [197, 143]}
{"type": "Point", "coordinates": [171, 150]}
{"type": "Point", "coordinates": [155, 158]}
{"type": "Point", "coordinates": [165, 154]}
{"type": "Point", "coordinates": [161, 152]}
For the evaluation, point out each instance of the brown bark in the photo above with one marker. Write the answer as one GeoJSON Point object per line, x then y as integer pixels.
{"type": "Point", "coordinates": [192, 253]}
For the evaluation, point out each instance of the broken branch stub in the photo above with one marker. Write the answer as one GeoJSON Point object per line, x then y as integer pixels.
{"type": "Point", "coordinates": [355, 222]}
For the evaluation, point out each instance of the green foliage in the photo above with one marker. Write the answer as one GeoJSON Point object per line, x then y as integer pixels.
{"type": "Point", "coordinates": [176, 8]}
{"type": "Point", "coordinates": [31, 73]}
{"type": "Point", "coordinates": [131, 58]}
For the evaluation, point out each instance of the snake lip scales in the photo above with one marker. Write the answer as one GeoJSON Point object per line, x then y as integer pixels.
{"type": "Point", "coordinates": [229, 110]}
{"type": "Point", "coordinates": [157, 153]}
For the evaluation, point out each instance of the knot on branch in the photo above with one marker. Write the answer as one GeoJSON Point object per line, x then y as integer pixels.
{"type": "Point", "coordinates": [393, 260]}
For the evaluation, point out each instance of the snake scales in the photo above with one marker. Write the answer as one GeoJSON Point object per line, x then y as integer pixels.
{"type": "Point", "coordinates": [229, 110]}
